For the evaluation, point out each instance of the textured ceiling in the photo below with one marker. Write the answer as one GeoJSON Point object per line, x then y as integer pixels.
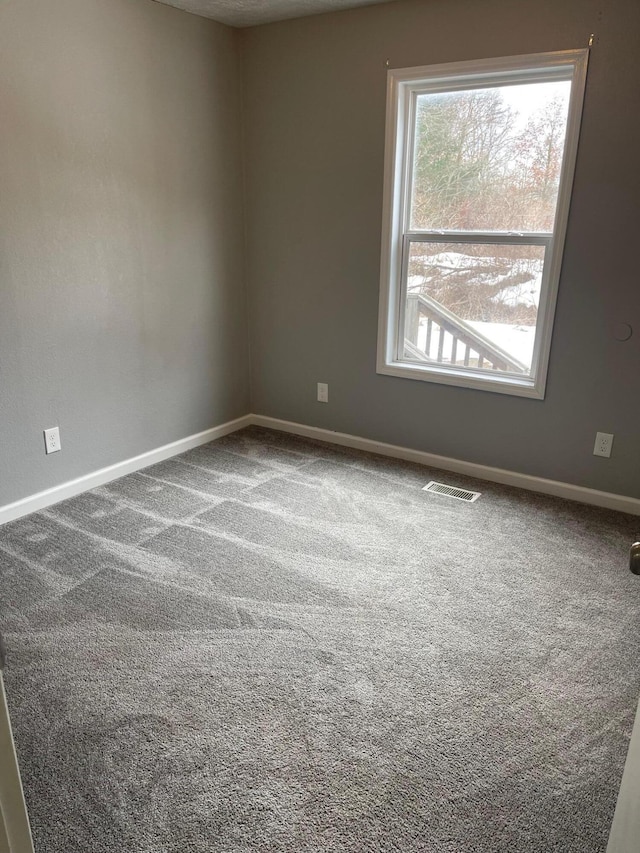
{"type": "Point", "coordinates": [248, 13]}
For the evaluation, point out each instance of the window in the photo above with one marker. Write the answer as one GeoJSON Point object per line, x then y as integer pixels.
{"type": "Point", "coordinates": [478, 172]}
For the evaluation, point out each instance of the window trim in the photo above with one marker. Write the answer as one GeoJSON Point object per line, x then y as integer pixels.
{"type": "Point", "coordinates": [403, 84]}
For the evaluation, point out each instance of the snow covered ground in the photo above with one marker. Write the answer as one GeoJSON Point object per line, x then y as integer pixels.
{"type": "Point", "coordinates": [516, 340]}
{"type": "Point", "coordinates": [518, 281]}
{"type": "Point", "coordinates": [526, 271]}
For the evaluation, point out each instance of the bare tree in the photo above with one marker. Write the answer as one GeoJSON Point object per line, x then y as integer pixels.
{"type": "Point", "coordinates": [476, 168]}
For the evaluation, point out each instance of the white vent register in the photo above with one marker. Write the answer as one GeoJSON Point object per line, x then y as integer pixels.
{"type": "Point", "coordinates": [451, 491]}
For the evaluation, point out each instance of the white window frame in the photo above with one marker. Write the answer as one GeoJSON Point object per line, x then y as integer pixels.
{"type": "Point", "coordinates": [403, 86]}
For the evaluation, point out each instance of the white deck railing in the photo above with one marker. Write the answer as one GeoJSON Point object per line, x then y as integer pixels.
{"type": "Point", "coordinates": [453, 341]}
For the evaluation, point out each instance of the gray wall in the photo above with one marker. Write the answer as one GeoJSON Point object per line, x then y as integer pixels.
{"type": "Point", "coordinates": [122, 306]}
{"type": "Point", "coordinates": [314, 92]}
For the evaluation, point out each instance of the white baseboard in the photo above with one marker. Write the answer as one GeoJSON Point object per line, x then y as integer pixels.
{"type": "Point", "coordinates": [459, 466]}
{"type": "Point", "coordinates": [41, 500]}
{"type": "Point", "coordinates": [33, 503]}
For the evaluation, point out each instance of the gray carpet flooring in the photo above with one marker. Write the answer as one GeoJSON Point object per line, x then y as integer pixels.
{"type": "Point", "coordinates": [269, 644]}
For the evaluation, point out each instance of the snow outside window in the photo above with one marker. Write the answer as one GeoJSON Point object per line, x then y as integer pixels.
{"type": "Point", "coordinates": [478, 172]}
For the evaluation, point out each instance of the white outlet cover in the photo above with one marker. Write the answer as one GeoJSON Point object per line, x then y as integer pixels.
{"type": "Point", "coordinates": [323, 392]}
{"type": "Point", "coordinates": [52, 440]}
{"type": "Point", "coordinates": [603, 445]}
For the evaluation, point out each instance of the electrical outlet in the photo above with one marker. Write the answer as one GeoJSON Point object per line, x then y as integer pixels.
{"type": "Point", "coordinates": [323, 392]}
{"type": "Point", "coordinates": [52, 440]}
{"type": "Point", "coordinates": [603, 445]}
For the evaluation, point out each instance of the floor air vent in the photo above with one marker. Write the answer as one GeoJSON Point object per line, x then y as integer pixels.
{"type": "Point", "coordinates": [452, 491]}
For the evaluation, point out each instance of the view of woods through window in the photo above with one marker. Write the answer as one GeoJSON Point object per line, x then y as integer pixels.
{"type": "Point", "coordinates": [483, 193]}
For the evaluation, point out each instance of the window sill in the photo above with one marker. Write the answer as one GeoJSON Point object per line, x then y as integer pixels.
{"type": "Point", "coordinates": [463, 379]}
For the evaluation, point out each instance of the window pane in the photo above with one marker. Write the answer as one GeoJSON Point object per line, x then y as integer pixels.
{"type": "Point", "coordinates": [489, 159]}
{"type": "Point", "coordinates": [473, 305]}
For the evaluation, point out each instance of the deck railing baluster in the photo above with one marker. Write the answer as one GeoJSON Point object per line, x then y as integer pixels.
{"type": "Point", "coordinates": [446, 322]}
